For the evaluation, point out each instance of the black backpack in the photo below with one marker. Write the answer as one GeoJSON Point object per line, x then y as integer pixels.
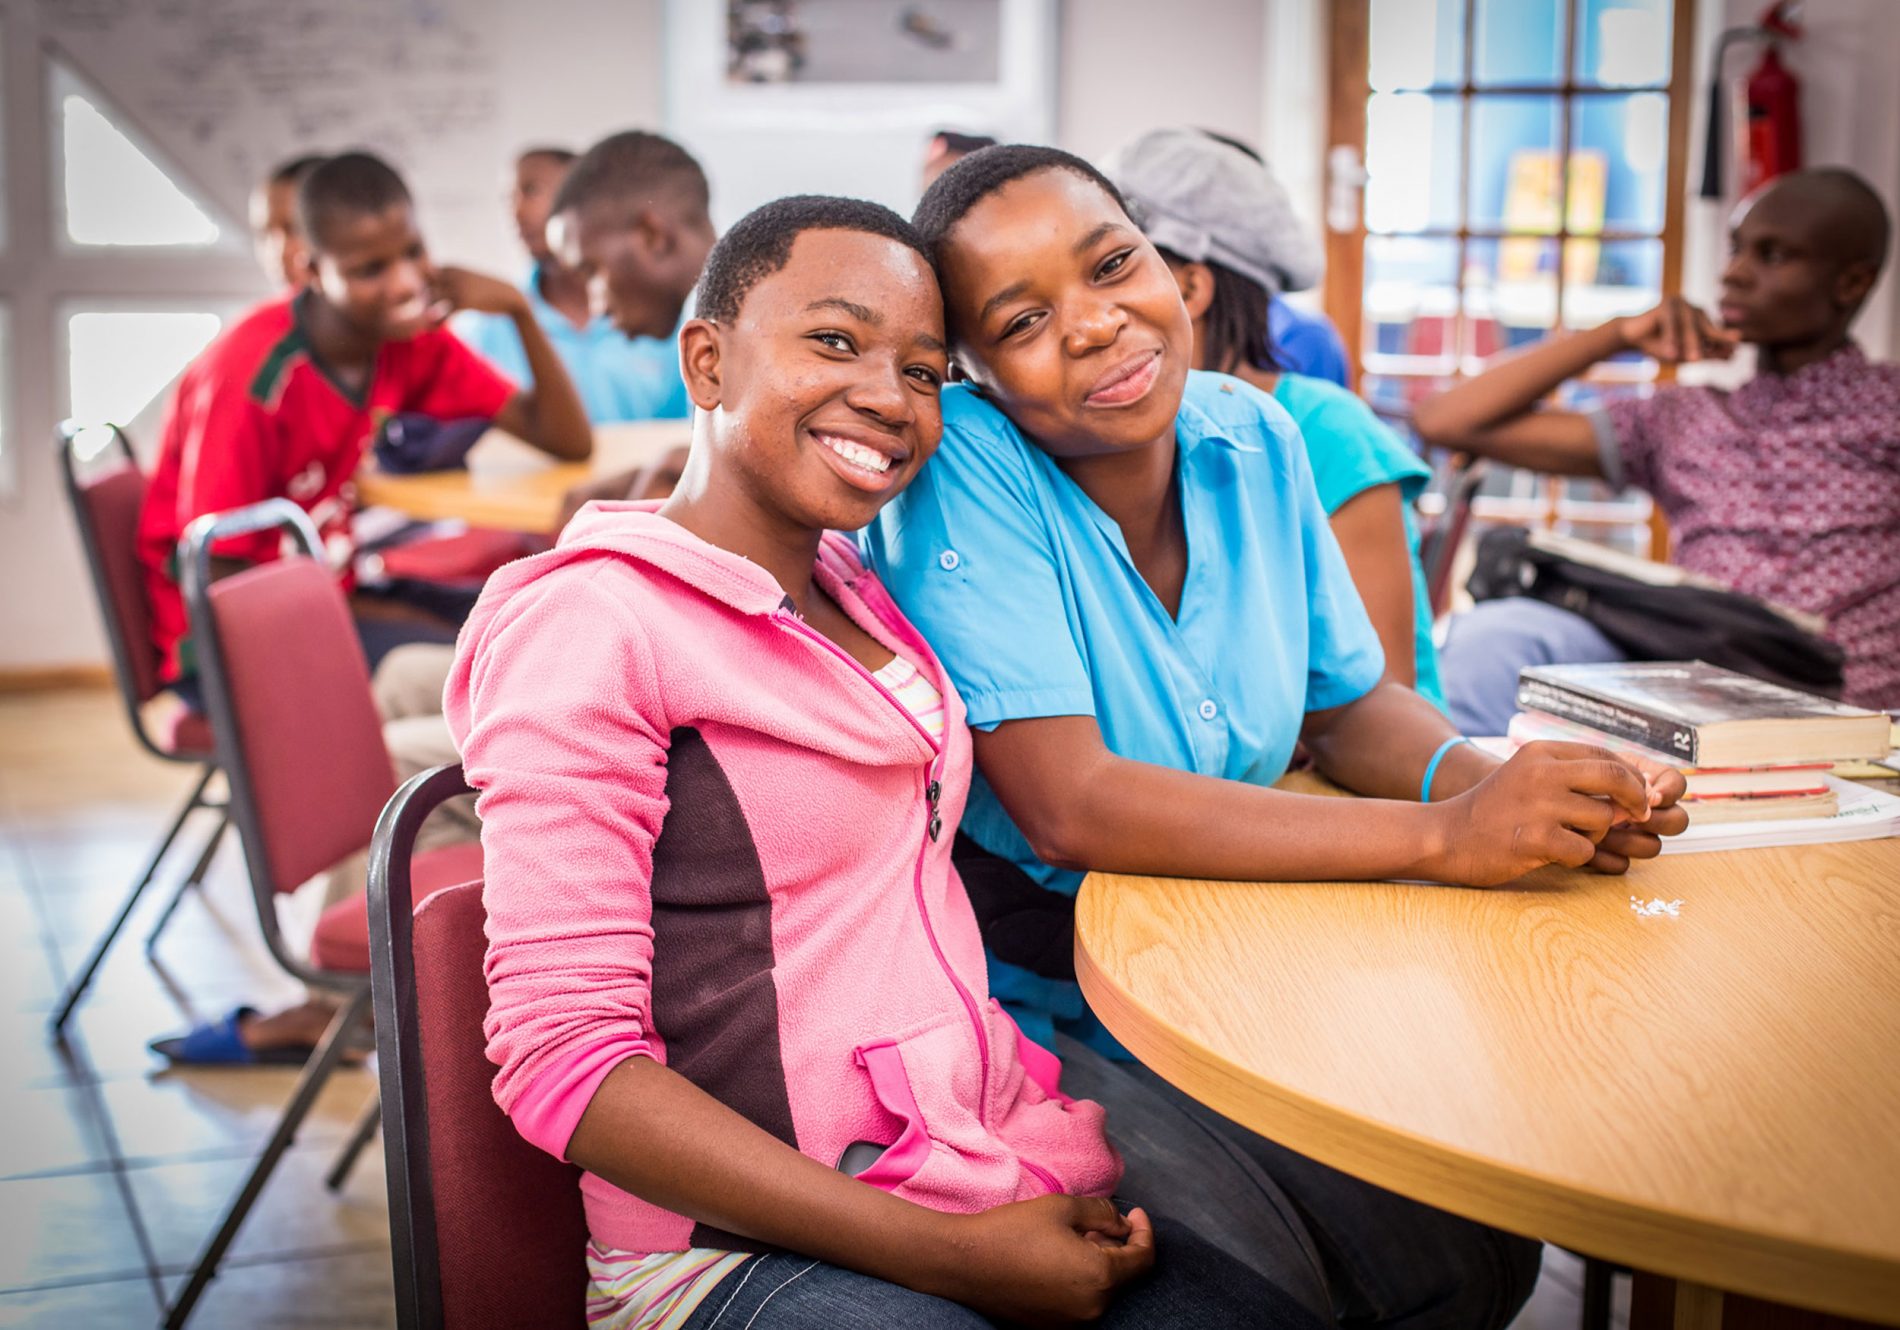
{"type": "Point", "coordinates": [1650, 622]}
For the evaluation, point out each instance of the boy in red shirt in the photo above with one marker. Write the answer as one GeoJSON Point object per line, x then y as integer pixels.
{"type": "Point", "coordinates": [286, 402]}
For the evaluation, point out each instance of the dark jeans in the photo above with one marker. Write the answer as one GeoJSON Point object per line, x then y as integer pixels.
{"type": "Point", "coordinates": [1193, 1285]}
{"type": "Point", "coordinates": [1387, 1262]}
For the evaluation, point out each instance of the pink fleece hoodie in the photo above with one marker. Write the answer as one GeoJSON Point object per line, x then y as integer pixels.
{"type": "Point", "coordinates": [713, 839]}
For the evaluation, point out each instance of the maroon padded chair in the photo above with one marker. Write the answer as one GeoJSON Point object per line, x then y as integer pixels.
{"type": "Point", "coordinates": [487, 1230]}
{"type": "Point", "coordinates": [106, 501]}
{"type": "Point", "coordinates": [287, 691]}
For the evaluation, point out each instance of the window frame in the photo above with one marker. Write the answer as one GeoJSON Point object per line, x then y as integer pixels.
{"type": "Point", "coordinates": [63, 79]}
{"type": "Point", "coordinates": [40, 277]}
{"type": "Point", "coordinates": [227, 312]}
{"type": "Point", "coordinates": [1349, 67]}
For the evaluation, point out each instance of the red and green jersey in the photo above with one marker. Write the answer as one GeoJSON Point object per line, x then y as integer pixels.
{"type": "Point", "coordinates": [257, 417]}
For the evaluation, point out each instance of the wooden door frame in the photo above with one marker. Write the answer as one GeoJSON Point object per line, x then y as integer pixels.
{"type": "Point", "coordinates": [1349, 87]}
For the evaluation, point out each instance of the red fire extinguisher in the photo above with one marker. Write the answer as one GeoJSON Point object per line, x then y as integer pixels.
{"type": "Point", "coordinates": [1766, 107]}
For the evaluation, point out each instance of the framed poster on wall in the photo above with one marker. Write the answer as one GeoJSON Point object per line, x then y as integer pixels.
{"type": "Point", "coordinates": [841, 96]}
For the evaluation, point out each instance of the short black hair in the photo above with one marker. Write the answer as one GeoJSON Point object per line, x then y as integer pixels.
{"type": "Point", "coordinates": [1234, 329]}
{"type": "Point", "coordinates": [970, 180]}
{"type": "Point", "coordinates": [632, 166]}
{"type": "Point", "coordinates": [760, 243]}
{"type": "Point", "coordinates": [351, 184]}
{"type": "Point", "coordinates": [294, 169]}
{"type": "Point", "coordinates": [559, 156]}
{"type": "Point", "coordinates": [962, 144]}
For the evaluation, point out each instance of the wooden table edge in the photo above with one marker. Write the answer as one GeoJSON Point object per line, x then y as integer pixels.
{"type": "Point", "coordinates": [1738, 1260]}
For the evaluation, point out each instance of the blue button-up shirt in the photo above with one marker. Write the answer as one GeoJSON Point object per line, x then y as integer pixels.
{"type": "Point", "coordinates": [618, 377]}
{"type": "Point", "coordinates": [1025, 589]}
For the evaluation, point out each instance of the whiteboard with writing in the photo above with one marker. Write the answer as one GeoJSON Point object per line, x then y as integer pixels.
{"type": "Point", "coordinates": [226, 89]}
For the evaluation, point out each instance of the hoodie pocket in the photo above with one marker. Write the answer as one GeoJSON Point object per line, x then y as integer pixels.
{"type": "Point", "coordinates": [944, 1156]}
{"type": "Point", "coordinates": [952, 1156]}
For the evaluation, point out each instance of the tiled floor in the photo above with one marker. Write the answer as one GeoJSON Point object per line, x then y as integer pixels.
{"type": "Point", "coordinates": [113, 1170]}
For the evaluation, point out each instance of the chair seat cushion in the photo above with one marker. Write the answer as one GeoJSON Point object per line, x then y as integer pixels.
{"type": "Point", "coordinates": [186, 733]}
{"type": "Point", "coordinates": [341, 941]}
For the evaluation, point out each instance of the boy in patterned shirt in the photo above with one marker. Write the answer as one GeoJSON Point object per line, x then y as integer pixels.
{"type": "Point", "coordinates": [1786, 488]}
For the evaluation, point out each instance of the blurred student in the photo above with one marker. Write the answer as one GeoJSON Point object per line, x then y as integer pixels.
{"type": "Point", "coordinates": [1200, 200]}
{"type": "Point", "coordinates": [286, 402]}
{"type": "Point", "coordinates": [1786, 488]}
{"type": "Point", "coordinates": [633, 216]}
{"type": "Point", "coordinates": [631, 220]}
{"type": "Point", "coordinates": [276, 234]}
{"type": "Point", "coordinates": [618, 377]}
{"type": "Point", "coordinates": [945, 149]}
{"type": "Point", "coordinates": [732, 973]}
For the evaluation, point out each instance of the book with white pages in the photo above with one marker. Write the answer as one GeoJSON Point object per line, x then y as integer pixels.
{"type": "Point", "coordinates": [1862, 813]}
{"type": "Point", "coordinates": [1807, 778]}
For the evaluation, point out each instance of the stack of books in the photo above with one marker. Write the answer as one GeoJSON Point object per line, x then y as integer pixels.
{"type": "Point", "coordinates": [1750, 751]}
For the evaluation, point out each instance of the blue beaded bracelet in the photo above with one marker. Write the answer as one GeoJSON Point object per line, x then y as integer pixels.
{"type": "Point", "coordinates": [1431, 767]}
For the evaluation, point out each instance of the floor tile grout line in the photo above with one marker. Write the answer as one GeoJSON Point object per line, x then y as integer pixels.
{"type": "Point", "coordinates": [255, 1260]}
{"type": "Point", "coordinates": [95, 1100]}
{"type": "Point", "coordinates": [80, 1281]}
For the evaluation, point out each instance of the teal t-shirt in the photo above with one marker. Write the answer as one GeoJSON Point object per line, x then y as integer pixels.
{"type": "Point", "coordinates": [1351, 450]}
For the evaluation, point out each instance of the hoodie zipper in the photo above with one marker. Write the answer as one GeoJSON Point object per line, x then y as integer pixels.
{"type": "Point", "coordinates": [933, 798]}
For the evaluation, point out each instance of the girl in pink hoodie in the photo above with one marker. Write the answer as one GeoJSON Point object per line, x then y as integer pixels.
{"type": "Point", "coordinates": [732, 972]}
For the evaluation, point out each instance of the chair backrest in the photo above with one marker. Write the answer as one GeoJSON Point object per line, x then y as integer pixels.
{"type": "Point", "coordinates": [287, 690]}
{"type": "Point", "coordinates": [1439, 551]}
{"type": "Point", "coordinates": [106, 510]}
{"type": "Point", "coordinates": [487, 1230]}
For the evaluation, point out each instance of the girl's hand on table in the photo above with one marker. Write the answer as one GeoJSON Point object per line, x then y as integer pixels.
{"type": "Point", "coordinates": [1552, 803]}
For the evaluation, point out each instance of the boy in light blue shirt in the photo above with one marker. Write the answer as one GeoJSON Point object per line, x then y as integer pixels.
{"type": "Point", "coordinates": [619, 378]}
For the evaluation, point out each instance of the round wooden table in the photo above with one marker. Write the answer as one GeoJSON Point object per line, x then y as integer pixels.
{"type": "Point", "coordinates": [1711, 1094]}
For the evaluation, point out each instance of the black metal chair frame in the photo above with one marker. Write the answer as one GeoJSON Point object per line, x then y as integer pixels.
{"type": "Point", "coordinates": [1439, 548]}
{"type": "Point", "coordinates": [195, 550]}
{"type": "Point", "coordinates": [67, 436]}
{"type": "Point", "coordinates": [405, 1095]}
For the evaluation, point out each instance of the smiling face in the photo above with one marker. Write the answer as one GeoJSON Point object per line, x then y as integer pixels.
{"type": "Point", "coordinates": [1066, 317]}
{"type": "Point", "coordinates": [374, 270]}
{"type": "Point", "coordinates": [822, 393]}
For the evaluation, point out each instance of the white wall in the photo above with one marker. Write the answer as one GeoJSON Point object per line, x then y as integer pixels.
{"type": "Point", "coordinates": [578, 69]}
{"type": "Point", "coordinates": [1130, 65]}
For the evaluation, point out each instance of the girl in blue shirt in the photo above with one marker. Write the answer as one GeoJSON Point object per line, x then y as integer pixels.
{"type": "Point", "coordinates": [1127, 570]}
{"type": "Point", "coordinates": [1201, 201]}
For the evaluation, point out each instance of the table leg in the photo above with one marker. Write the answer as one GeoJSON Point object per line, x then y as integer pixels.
{"type": "Point", "coordinates": [1660, 1303]}
{"type": "Point", "coordinates": [1698, 1307]}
